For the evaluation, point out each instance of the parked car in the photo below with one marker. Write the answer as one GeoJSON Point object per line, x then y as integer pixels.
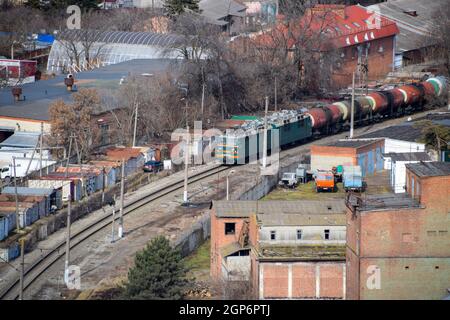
{"type": "Point", "coordinates": [289, 180]}
{"type": "Point", "coordinates": [153, 166]}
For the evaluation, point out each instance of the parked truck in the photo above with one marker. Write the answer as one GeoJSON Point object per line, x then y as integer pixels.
{"type": "Point", "coordinates": [324, 181]}
{"type": "Point", "coordinates": [352, 179]}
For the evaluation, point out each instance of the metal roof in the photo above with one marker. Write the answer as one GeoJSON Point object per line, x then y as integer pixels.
{"type": "Point", "coordinates": [414, 30]}
{"type": "Point", "coordinates": [142, 38]}
{"type": "Point", "coordinates": [430, 169]}
{"type": "Point", "coordinates": [216, 10]}
{"type": "Point", "coordinates": [21, 139]}
{"type": "Point", "coordinates": [348, 143]}
{"type": "Point", "coordinates": [408, 156]}
{"type": "Point", "coordinates": [271, 213]}
{"type": "Point", "coordinates": [404, 132]}
{"type": "Point", "coordinates": [41, 94]}
{"type": "Point", "coordinates": [29, 191]}
{"type": "Point", "coordinates": [380, 202]}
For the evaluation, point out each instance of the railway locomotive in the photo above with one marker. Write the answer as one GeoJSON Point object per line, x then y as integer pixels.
{"type": "Point", "coordinates": [244, 142]}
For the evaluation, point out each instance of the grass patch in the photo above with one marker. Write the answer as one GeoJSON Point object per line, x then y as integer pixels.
{"type": "Point", "coordinates": [304, 191]}
{"type": "Point", "coordinates": [199, 260]}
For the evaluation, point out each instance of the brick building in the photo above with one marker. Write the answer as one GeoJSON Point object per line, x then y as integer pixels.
{"type": "Point", "coordinates": [398, 246]}
{"type": "Point", "coordinates": [365, 153]}
{"type": "Point", "coordinates": [362, 42]}
{"type": "Point", "coordinates": [287, 249]}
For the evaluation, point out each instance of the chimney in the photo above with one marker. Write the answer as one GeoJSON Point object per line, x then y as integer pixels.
{"type": "Point", "coordinates": [68, 81]}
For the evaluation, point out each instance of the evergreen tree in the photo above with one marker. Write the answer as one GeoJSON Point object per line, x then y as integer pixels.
{"type": "Point", "coordinates": [159, 273]}
{"type": "Point", "coordinates": [177, 7]}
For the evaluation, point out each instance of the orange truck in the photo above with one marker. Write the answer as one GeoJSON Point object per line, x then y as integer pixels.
{"type": "Point", "coordinates": [324, 180]}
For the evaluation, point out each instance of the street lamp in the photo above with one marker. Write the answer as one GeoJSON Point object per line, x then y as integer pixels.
{"type": "Point", "coordinates": [228, 183]}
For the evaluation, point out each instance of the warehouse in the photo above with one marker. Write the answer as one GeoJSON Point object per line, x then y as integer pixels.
{"type": "Point", "coordinates": [289, 249]}
{"type": "Point", "coordinates": [365, 153]}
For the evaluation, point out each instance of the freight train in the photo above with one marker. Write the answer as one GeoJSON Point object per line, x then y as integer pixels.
{"type": "Point", "coordinates": [243, 141]}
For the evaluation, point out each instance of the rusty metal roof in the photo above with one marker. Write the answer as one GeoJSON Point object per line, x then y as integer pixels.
{"type": "Point", "coordinates": [430, 169]}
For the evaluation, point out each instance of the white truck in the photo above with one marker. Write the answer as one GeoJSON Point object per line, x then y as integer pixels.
{"type": "Point", "coordinates": [7, 169]}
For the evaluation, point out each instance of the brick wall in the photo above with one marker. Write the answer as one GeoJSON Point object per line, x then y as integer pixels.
{"type": "Point", "coordinates": [219, 240]}
{"type": "Point", "coordinates": [301, 280]}
{"type": "Point", "coordinates": [379, 64]}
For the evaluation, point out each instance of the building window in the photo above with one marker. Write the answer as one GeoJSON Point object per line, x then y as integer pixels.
{"type": "Point", "coordinates": [327, 234]}
{"type": "Point", "coordinates": [230, 228]}
{"type": "Point", "coordinates": [299, 234]}
{"type": "Point", "coordinates": [273, 235]}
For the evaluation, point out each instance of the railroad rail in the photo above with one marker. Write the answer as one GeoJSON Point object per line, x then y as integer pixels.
{"type": "Point", "coordinates": [35, 270]}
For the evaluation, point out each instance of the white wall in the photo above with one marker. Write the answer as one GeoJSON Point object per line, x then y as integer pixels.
{"type": "Point", "coordinates": [400, 146]}
{"type": "Point", "coordinates": [25, 125]}
{"type": "Point", "coordinates": [398, 175]}
{"type": "Point", "coordinates": [310, 234]}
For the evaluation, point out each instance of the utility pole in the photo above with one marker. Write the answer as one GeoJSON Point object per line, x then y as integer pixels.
{"type": "Point", "coordinates": [22, 267]}
{"type": "Point", "coordinates": [103, 184]}
{"type": "Point", "coordinates": [352, 106]}
{"type": "Point", "coordinates": [186, 159]}
{"type": "Point", "coordinates": [67, 259]}
{"type": "Point", "coordinates": [203, 100]}
{"type": "Point", "coordinates": [122, 191]}
{"type": "Point", "coordinates": [264, 162]}
{"type": "Point", "coordinates": [16, 196]}
{"type": "Point", "coordinates": [276, 96]}
{"type": "Point", "coordinates": [135, 124]}
{"type": "Point", "coordinates": [40, 149]}
{"type": "Point", "coordinates": [113, 218]}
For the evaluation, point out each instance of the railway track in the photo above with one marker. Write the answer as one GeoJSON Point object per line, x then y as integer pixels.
{"type": "Point", "coordinates": [35, 270]}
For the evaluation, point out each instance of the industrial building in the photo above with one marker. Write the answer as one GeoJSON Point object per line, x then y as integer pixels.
{"type": "Point", "coordinates": [365, 153]}
{"type": "Point", "coordinates": [398, 246]}
{"type": "Point", "coordinates": [287, 249]}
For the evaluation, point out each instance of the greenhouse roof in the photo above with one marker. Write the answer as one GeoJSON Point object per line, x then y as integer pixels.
{"type": "Point", "coordinates": [143, 38]}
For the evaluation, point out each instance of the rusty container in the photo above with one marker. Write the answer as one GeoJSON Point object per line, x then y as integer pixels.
{"type": "Point", "coordinates": [344, 107]}
{"type": "Point", "coordinates": [318, 117]}
{"type": "Point", "coordinates": [411, 94]}
{"type": "Point", "coordinates": [334, 113]}
{"type": "Point", "coordinates": [378, 102]}
{"type": "Point", "coordinates": [364, 106]}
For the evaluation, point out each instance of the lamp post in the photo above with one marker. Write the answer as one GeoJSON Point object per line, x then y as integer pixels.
{"type": "Point", "coordinates": [228, 184]}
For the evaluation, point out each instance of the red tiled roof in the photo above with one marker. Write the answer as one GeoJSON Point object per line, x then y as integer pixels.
{"type": "Point", "coordinates": [340, 26]}
{"type": "Point", "coordinates": [122, 153]}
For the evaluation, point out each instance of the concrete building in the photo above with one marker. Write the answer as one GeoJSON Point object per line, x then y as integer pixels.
{"type": "Point", "coordinates": [398, 246]}
{"type": "Point", "coordinates": [365, 153]}
{"type": "Point", "coordinates": [396, 163]}
{"type": "Point", "coordinates": [287, 249]}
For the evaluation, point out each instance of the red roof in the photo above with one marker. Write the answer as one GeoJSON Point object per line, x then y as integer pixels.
{"type": "Point", "coordinates": [340, 26]}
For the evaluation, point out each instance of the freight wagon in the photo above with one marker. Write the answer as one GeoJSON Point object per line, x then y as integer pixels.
{"type": "Point", "coordinates": [243, 142]}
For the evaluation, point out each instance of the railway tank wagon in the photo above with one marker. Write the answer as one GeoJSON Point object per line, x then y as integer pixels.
{"type": "Point", "coordinates": [294, 126]}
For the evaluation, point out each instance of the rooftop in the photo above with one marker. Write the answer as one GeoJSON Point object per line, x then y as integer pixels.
{"type": "Point", "coordinates": [408, 156]}
{"type": "Point", "coordinates": [301, 252]}
{"type": "Point", "coordinates": [271, 213]}
{"type": "Point", "coordinates": [217, 10]}
{"type": "Point", "coordinates": [430, 169]}
{"type": "Point", "coordinates": [348, 143]}
{"type": "Point", "coordinates": [41, 94]}
{"type": "Point", "coordinates": [414, 28]}
{"type": "Point", "coordinates": [25, 191]}
{"type": "Point", "coordinates": [380, 202]}
{"type": "Point", "coordinates": [21, 139]}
